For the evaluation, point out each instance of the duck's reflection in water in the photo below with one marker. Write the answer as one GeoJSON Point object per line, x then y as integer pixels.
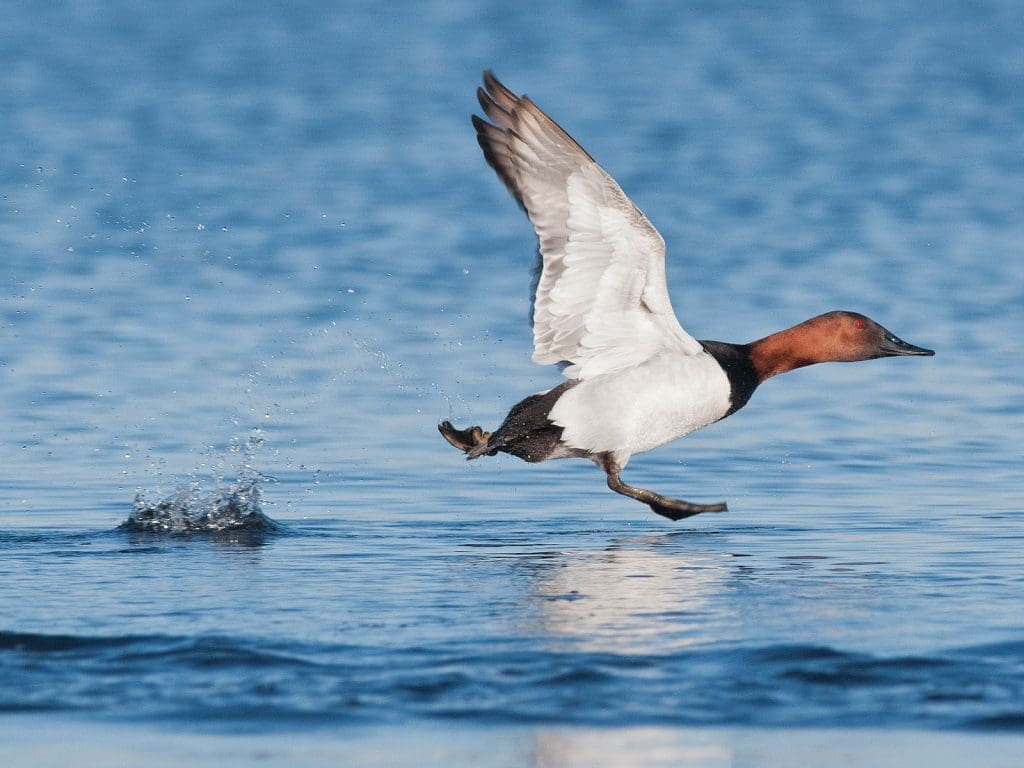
{"type": "Point", "coordinates": [618, 747]}
{"type": "Point", "coordinates": [639, 596]}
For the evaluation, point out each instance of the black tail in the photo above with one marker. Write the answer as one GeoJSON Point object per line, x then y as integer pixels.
{"type": "Point", "coordinates": [527, 432]}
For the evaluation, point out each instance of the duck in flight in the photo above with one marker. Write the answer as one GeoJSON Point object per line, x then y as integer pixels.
{"type": "Point", "coordinates": [635, 379]}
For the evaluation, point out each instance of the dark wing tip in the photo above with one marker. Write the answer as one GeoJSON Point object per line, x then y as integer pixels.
{"type": "Point", "coordinates": [483, 99]}
{"type": "Point", "coordinates": [494, 85]}
{"type": "Point", "coordinates": [506, 112]}
{"type": "Point", "coordinates": [479, 123]}
{"type": "Point", "coordinates": [494, 143]}
{"type": "Point", "coordinates": [498, 94]}
{"type": "Point", "coordinates": [498, 104]}
{"type": "Point", "coordinates": [505, 109]}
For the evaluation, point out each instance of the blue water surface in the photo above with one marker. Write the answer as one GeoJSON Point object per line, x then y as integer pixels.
{"type": "Point", "coordinates": [250, 256]}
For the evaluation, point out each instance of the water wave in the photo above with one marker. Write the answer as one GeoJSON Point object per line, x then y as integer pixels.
{"type": "Point", "coordinates": [222, 678]}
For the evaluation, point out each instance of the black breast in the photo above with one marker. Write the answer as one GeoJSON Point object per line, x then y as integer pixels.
{"type": "Point", "coordinates": [735, 360]}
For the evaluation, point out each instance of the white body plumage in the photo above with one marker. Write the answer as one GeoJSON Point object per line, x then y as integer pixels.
{"type": "Point", "coordinates": [640, 408]}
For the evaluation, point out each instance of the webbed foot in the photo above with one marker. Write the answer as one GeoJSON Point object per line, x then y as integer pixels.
{"type": "Point", "coordinates": [677, 509]}
{"type": "Point", "coordinates": [463, 439]}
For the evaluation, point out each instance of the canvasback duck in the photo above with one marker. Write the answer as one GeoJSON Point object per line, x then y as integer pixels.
{"type": "Point", "coordinates": [635, 378]}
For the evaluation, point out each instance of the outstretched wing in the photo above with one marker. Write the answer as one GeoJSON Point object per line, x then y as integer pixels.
{"type": "Point", "coordinates": [601, 300]}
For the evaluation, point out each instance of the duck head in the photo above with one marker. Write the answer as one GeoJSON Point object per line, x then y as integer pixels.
{"type": "Point", "coordinates": [857, 337]}
{"type": "Point", "coordinates": [837, 336]}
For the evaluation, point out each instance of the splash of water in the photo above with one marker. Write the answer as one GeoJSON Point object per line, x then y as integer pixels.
{"type": "Point", "coordinates": [231, 505]}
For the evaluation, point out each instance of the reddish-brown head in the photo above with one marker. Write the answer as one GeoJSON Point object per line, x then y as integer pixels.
{"type": "Point", "coordinates": [838, 336]}
{"type": "Point", "coordinates": [851, 336]}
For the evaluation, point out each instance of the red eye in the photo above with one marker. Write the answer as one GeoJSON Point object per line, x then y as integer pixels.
{"type": "Point", "coordinates": [858, 324]}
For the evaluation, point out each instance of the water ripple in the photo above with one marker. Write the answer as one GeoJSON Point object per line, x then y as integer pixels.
{"type": "Point", "coordinates": [969, 688]}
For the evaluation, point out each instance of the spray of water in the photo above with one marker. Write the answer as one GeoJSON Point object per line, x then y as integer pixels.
{"type": "Point", "coordinates": [232, 504]}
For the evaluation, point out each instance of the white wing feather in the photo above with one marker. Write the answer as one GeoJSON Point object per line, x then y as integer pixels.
{"type": "Point", "coordinates": [601, 300]}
